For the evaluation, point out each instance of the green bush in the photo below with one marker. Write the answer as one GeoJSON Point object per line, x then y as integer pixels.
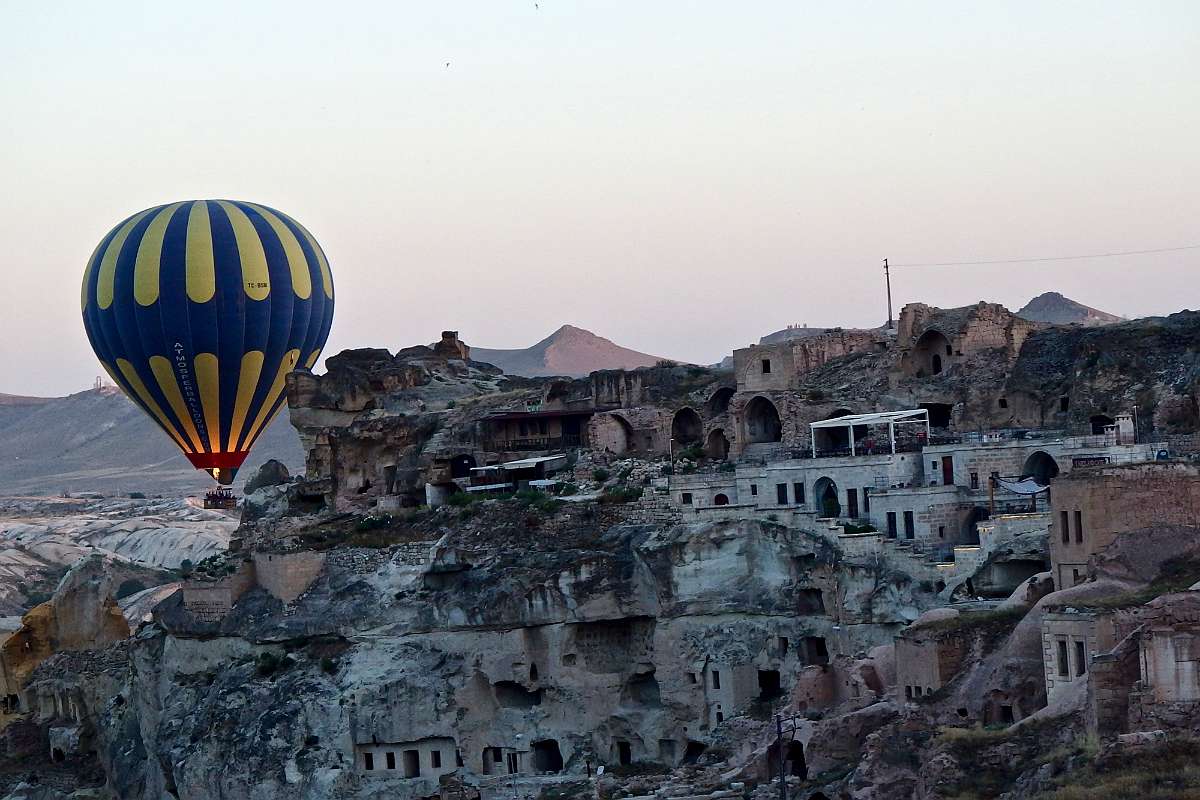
{"type": "Point", "coordinates": [600, 475]}
{"type": "Point", "coordinates": [866, 527]}
{"type": "Point", "coordinates": [461, 499]}
{"type": "Point", "coordinates": [137, 495]}
{"type": "Point", "coordinates": [373, 522]}
{"type": "Point", "coordinates": [621, 494]}
{"type": "Point", "coordinates": [567, 489]}
{"type": "Point", "coordinates": [726, 466]}
{"type": "Point", "coordinates": [693, 452]}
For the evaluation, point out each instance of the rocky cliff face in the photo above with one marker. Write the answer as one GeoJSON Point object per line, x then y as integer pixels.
{"type": "Point", "coordinates": [571, 638]}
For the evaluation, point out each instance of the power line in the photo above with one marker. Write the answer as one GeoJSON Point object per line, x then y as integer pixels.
{"type": "Point", "coordinates": [1049, 258]}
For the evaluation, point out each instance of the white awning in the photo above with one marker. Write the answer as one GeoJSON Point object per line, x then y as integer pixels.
{"type": "Point", "coordinates": [524, 463]}
{"type": "Point", "coordinates": [1022, 486]}
{"type": "Point", "coordinates": [876, 418]}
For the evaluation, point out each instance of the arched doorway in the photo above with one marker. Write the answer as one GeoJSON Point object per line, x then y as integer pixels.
{"type": "Point", "coordinates": [1100, 422]}
{"type": "Point", "coordinates": [1040, 466]}
{"type": "Point", "coordinates": [762, 421]}
{"type": "Point", "coordinates": [721, 500]}
{"type": "Point", "coordinates": [717, 446]}
{"type": "Point", "coordinates": [615, 435]}
{"type": "Point", "coordinates": [461, 465]}
{"type": "Point", "coordinates": [825, 494]}
{"type": "Point", "coordinates": [686, 428]}
{"type": "Point", "coordinates": [719, 403]}
{"type": "Point", "coordinates": [929, 352]}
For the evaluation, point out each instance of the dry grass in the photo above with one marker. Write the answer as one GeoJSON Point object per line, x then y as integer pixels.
{"type": "Point", "coordinates": [1170, 771]}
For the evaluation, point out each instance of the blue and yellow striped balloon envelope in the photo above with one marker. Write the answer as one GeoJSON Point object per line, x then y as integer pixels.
{"type": "Point", "coordinates": [198, 310]}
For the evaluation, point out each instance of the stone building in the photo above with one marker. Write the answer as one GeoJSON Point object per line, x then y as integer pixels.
{"type": "Point", "coordinates": [1092, 507]}
{"type": "Point", "coordinates": [1070, 639]}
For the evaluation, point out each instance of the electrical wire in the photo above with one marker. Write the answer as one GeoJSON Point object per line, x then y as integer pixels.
{"type": "Point", "coordinates": [1048, 258]}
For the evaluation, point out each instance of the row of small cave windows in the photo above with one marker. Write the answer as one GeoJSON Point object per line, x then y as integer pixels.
{"type": "Point", "coordinates": [912, 692]}
{"type": "Point", "coordinates": [412, 761]}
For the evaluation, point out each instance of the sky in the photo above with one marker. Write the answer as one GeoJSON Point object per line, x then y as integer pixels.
{"type": "Point", "coordinates": [680, 177]}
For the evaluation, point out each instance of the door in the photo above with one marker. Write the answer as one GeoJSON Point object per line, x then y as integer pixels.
{"type": "Point", "coordinates": [947, 471]}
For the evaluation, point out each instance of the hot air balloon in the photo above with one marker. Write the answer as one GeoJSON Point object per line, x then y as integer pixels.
{"type": "Point", "coordinates": [199, 310]}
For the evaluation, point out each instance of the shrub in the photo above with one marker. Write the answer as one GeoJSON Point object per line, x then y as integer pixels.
{"type": "Point", "coordinates": [667, 469]}
{"type": "Point", "coordinates": [137, 495]}
{"type": "Point", "coordinates": [693, 452]}
{"type": "Point", "coordinates": [267, 664]}
{"type": "Point", "coordinates": [726, 466]}
{"type": "Point", "coordinates": [851, 527]}
{"type": "Point", "coordinates": [373, 522]}
{"type": "Point", "coordinates": [461, 499]}
{"type": "Point", "coordinates": [621, 494]}
{"type": "Point", "coordinates": [328, 666]}
{"type": "Point", "coordinates": [185, 567]}
{"type": "Point", "coordinates": [567, 489]}
{"type": "Point", "coordinates": [600, 475]}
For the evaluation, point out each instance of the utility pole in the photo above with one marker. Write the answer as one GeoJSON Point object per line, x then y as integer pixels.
{"type": "Point", "coordinates": [887, 275]}
{"type": "Point", "coordinates": [779, 756]}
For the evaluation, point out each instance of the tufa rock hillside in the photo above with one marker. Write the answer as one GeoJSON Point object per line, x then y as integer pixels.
{"type": "Point", "coordinates": [953, 559]}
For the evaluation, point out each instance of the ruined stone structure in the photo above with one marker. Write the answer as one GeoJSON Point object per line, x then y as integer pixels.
{"type": "Point", "coordinates": [1093, 506]}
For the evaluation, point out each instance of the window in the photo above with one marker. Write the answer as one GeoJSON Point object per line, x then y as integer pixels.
{"type": "Point", "coordinates": [766, 366]}
{"type": "Point", "coordinates": [1064, 670]}
{"type": "Point", "coordinates": [716, 679]}
{"type": "Point", "coordinates": [513, 764]}
{"type": "Point", "coordinates": [852, 503]}
{"type": "Point", "coordinates": [1075, 575]}
{"type": "Point", "coordinates": [891, 522]}
{"type": "Point", "coordinates": [781, 494]}
{"type": "Point", "coordinates": [910, 531]}
{"type": "Point", "coordinates": [1080, 658]}
{"type": "Point", "coordinates": [754, 490]}
{"type": "Point", "coordinates": [1003, 403]}
{"type": "Point", "coordinates": [1064, 403]}
{"type": "Point", "coordinates": [798, 493]}
{"type": "Point", "coordinates": [686, 498]}
{"type": "Point", "coordinates": [412, 764]}
{"type": "Point", "coordinates": [918, 691]}
{"type": "Point", "coordinates": [866, 500]}
{"type": "Point", "coordinates": [391, 760]}
{"type": "Point", "coordinates": [782, 646]}
{"type": "Point", "coordinates": [941, 531]}
{"type": "Point", "coordinates": [721, 500]}
{"type": "Point", "coordinates": [908, 693]}
{"type": "Point", "coordinates": [458, 759]}
{"type": "Point", "coordinates": [368, 761]}
{"type": "Point", "coordinates": [624, 753]}
{"type": "Point", "coordinates": [691, 677]}
{"type": "Point", "coordinates": [1065, 523]}
{"type": "Point", "coordinates": [974, 480]}
{"type": "Point", "coordinates": [949, 351]}
{"type": "Point", "coordinates": [720, 717]}
{"type": "Point", "coordinates": [1006, 715]}
{"type": "Point", "coordinates": [1078, 527]}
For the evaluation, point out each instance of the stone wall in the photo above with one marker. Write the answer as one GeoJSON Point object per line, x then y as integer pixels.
{"type": "Point", "coordinates": [286, 576]}
{"type": "Point", "coordinates": [1069, 640]}
{"type": "Point", "coordinates": [1092, 507]}
{"type": "Point", "coordinates": [927, 660]}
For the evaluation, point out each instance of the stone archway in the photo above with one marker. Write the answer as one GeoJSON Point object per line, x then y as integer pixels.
{"type": "Point", "coordinates": [717, 445]}
{"type": "Point", "coordinates": [686, 428]}
{"type": "Point", "coordinates": [761, 421]}
{"type": "Point", "coordinates": [719, 402]}
{"type": "Point", "coordinates": [825, 496]}
{"type": "Point", "coordinates": [721, 500]}
{"type": "Point", "coordinates": [460, 465]}
{"type": "Point", "coordinates": [1040, 466]}
{"type": "Point", "coordinates": [930, 352]}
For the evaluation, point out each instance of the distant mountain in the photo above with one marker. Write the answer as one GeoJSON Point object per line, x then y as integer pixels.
{"type": "Point", "coordinates": [1052, 307]}
{"type": "Point", "coordinates": [568, 351]}
{"type": "Point", "coordinates": [100, 441]}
